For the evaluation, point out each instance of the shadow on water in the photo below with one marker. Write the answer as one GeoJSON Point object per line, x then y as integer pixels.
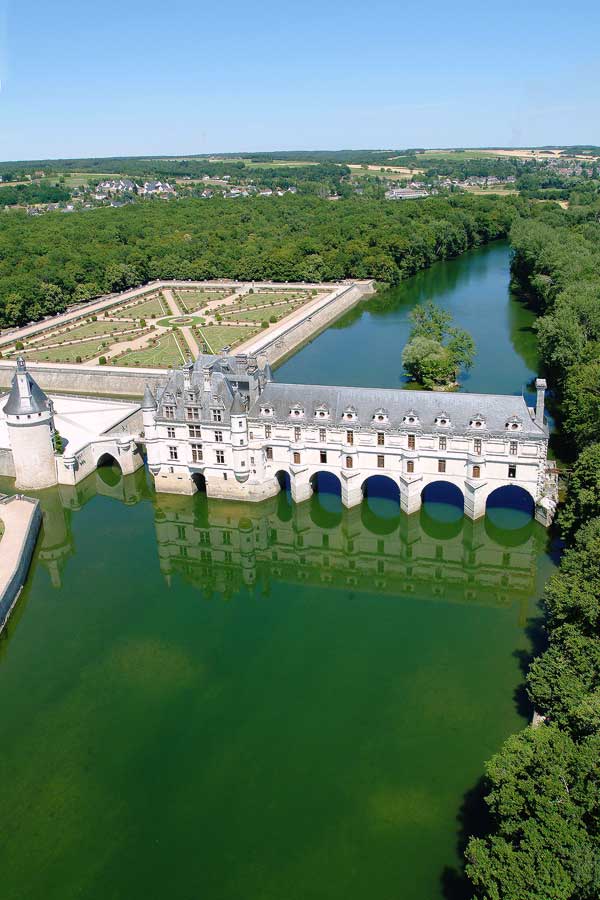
{"type": "Point", "coordinates": [474, 820]}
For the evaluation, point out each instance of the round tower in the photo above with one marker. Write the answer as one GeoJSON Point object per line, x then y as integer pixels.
{"type": "Point", "coordinates": [30, 424]}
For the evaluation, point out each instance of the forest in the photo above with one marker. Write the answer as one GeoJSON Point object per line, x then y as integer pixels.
{"type": "Point", "coordinates": [543, 786]}
{"type": "Point", "coordinates": [52, 261]}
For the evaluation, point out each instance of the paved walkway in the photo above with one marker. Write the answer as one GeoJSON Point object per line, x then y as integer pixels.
{"type": "Point", "coordinates": [17, 516]}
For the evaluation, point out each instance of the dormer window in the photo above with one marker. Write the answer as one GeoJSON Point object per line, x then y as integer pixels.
{"type": "Point", "coordinates": [411, 418]}
{"type": "Point", "coordinates": [349, 414]}
{"type": "Point", "coordinates": [477, 421]}
{"type": "Point", "coordinates": [380, 417]}
{"type": "Point", "coordinates": [322, 411]}
{"type": "Point", "coordinates": [266, 411]}
{"type": "Point", "coordinates": [296, 411]}
{"type": "Point", "coordinates": [513, 424]}
{"type": "Point", "coordinates": [442, 420]}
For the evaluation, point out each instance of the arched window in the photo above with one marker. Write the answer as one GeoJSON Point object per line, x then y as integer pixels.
{"type": "Point", "coordinates": [349, 462]}
{"type": "Point", "coordinates": [476, 471]}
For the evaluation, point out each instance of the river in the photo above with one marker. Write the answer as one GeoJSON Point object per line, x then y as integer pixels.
{"type": "Point", "coordinates": [224, 700]}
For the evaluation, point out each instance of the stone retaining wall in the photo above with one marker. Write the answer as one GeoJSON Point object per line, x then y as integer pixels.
{"type": "Point", "coordinates": [12, 582]}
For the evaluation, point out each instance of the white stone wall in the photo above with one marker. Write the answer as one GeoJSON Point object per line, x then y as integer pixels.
{"type": "Point", "coordinates": [253, 455]}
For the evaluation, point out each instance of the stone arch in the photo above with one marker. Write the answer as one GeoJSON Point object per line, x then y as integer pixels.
{"type": "Point", "coordinates": [283, 480]}
{"type": "Point", "coordinates": [326, 483]}
{"type": "Point", "coordinates": [510, 507]}
{"type": "Point", "coordinates": [442, 510]}
{"type": "Point", "coordinates": [199, 482]}
{"type": "Point", "coordinates": [109, 469]}
{"type": "Point", "coordinates": [326, 500]}
{"type": "Point", "coordinates": [380, 509]}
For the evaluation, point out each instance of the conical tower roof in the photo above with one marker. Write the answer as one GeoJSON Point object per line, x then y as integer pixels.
{"type": "Point", "coordinates": [26, 396]}
{"type": "Point", "coordinates": [149, 401]}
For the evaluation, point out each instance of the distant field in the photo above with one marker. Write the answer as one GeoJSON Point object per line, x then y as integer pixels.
{"type": "Point", "coordinates": [162, 355]}
{"type": "Point", "coordinates": [218, 336]}
{"type": "Point", "coordinates": [493, 189]}
{"type": "Point", "coordinates": [192, 301]}
{"type": "Point", "coordinates": [140, 311]}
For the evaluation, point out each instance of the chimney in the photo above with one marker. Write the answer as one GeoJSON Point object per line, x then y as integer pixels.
{"type": "Point", "coordinates": [540, 387]}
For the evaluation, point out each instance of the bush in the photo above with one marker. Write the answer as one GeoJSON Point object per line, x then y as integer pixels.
{"type": "Point", "coordinates": [272, 318]}
{"type": "Point", "coordinates": [102, 361]}
{"type": "Point", "coordinates": [19, 345]}
{"type": "Point", "coordinates": [264, 324]}
{"type": "Point", "coordinates": [78, 359]}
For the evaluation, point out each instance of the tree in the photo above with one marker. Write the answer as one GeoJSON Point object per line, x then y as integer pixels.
{"type": "Point", "coordinates": [544, 798]}
{"type": "Point", "coordinates": [436, 350]}
{"type": "Point", "coordinates": [583, 492]}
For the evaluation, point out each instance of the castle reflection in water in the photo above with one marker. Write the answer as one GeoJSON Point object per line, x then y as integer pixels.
{"type": "Point", "coordinates": [222, 547]}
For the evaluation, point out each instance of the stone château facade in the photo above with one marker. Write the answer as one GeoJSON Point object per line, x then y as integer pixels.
{"type": "Point", "coordinates": [225, 424]}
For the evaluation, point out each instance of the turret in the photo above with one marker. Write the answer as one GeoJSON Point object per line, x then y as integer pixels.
{"type": "Point", "coordinates": [239, 436]}
{"type": "Point", "coordinates": [149, 423]}
{"type": "Point", "coordinates": [540, 387]}
{"type": "Point", "coordinates": [30, 422]}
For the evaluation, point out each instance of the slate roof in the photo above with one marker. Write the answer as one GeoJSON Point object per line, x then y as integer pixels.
{"type": "Point", "coordinates": [26, 396]}
{"type": "Point", "coordinates": [459, 408]}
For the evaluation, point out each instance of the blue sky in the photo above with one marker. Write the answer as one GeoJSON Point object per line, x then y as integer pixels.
{"type": "Point", "coordinates": [86, 79]}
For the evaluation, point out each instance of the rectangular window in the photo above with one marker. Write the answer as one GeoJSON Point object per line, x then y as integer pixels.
{"type": "Point", "coordinates": [267, 431]}
{"type": "Point", "coordinates": [411, 442]}
{"type": "Point", "coordinates": [169, 412]}
{"type": "Point", "coordinates": [441, 465]}
{"type": "Point", "coordinates": [269, 452]}
{"type": "Point", "coordinates": [197, 455]}
{"type": "Point", "coordinates": [323, 456]}
{"type": "Point", "coordinates": [350, 437]}
{"type": "Point", "coordinates": [514, 448]}
{"type": "Point", "coordinates": [227, 537]}
{"type": "Point", "coordinates": [443, 443]}
{"type": "Point", "coordinates": [192, 412]}
{"type": "Point", "coordinates": [477, 446]}
{"type": "Point", "coordinates": [322, 435]}
{"type": "Point", "coordinates": [349, 462]}
{"type": "Point", "coordinates": [220, 456]}
{"type": "Point", "coordinates": [195, 431]}
{"type": "Point", "coordinates": [296, 434]}
{"type": "Point", "coordinates": [170, 432]}
{"type": "Point", "coordinates": [216, 415]}
{"type": "Point", "coordinates": [296, 456]}
{"type": "Point", "coordinates": [219, 437]}
{"type": "Point", "coordinates": [181, 532]}
{"type": "Point", "coordinates": [380, 462]}
{"type": "Point", "coordinates": [190, 396]}
{"type": "Point", "coordinates": [410, 466]}
{"type": "Point", "coordinates": [380, 438]}
{"type": "Point", "coordinates": [173, 453]}
{"type": "Point", "coordinates": [512, 471]}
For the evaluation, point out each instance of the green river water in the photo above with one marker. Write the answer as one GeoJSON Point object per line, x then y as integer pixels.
{"type": "Point", "coordinates": [233, 701]}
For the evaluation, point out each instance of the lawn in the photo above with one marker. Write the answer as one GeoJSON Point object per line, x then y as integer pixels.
{"type": "Point", "coordinates": [91, 329]}
{"type": "Point", "coordinates": [67, 353]}
{"type": "Point", "coordinates": [218, 336]}
{"type": "Point", "coordinates": [248, 301]}
{"type": "Point", "coordinates": [192, 301]}
{"type": "Point", "coordinates": [144, 310]}
{"type": "Point", "coordinates": [262, 314]}
{"type": "Point", "coordinates": [161, 355]}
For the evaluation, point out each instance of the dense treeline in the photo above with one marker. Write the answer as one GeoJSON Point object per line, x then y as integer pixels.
{"type": "Point", "coordinates": [51, 261]}
{"type": "Point", "coordinates": [13, 195]}
{"type": "Point", "coordinates": [544, 785]}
